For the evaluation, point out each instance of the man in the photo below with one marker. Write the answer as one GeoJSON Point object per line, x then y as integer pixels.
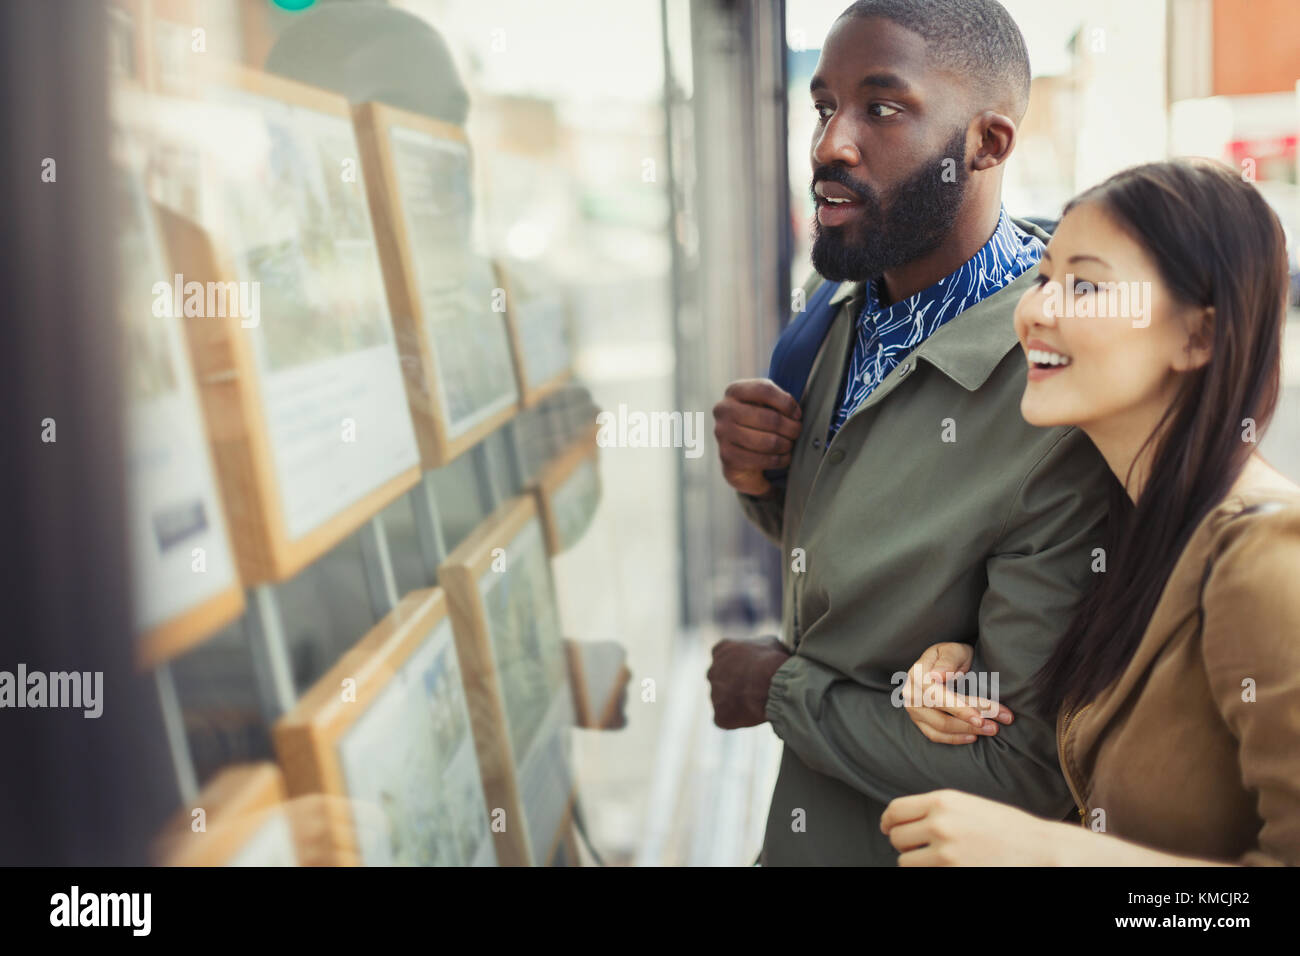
{"type": "Point", "coordinates": [919, 506]}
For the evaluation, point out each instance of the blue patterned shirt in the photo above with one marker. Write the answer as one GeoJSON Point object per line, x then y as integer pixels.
{"type": "Point", "coordinates": [885, 335]}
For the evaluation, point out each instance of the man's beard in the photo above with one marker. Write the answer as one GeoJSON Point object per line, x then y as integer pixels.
{"type": "Point", "coordinates": [912, 222]}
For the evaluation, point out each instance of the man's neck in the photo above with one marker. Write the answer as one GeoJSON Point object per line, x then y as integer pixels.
{"type": "Point", "coordinates": [967, 237]}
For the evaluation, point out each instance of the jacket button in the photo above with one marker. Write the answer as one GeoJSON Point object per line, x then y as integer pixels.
{"type": "Point", "coordinates": [837, 456]}
{"type": "Point", "coordinates": [903, 371]}
{"type": "Point", "coordinates": [817, 443]}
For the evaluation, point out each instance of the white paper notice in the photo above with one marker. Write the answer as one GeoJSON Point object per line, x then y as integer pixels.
{"type": "Point", "coordinates": [331, 382]}
{"type": "Point", "coordinates": [180, 551]}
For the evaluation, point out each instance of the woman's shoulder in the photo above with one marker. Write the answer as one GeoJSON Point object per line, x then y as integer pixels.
{"type": "Point", "coordinates": [1253, 545]}
{"type": "Point", "coordinates": [1262, 504]}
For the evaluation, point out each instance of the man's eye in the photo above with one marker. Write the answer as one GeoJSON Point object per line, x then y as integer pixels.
{"type": "Point", "coordinates": [883, 110]}
{"type": "Point", "coordinates": [822, 111]}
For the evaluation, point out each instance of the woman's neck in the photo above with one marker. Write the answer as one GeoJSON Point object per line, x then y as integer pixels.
{"type": "Point", "coordinates": [1123, 444]}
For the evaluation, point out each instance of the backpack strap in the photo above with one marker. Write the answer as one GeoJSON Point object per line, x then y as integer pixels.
{"type": "Point", "coordinates": [797, 348]}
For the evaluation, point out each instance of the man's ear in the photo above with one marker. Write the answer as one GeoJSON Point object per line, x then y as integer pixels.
{"type": "Point", "coordinates": [1199, 347]}
{"type": "Point", "coordinates": [997, 138]}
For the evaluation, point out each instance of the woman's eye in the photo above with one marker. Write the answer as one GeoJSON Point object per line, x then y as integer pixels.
{"type": "Point", "coordinates": [1041, 280]}
{"type": "Point", "coordinates": [885, 110]}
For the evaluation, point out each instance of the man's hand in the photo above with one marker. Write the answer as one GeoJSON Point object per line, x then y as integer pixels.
{"type": "Point", "coordinates": [756, 425]}
{"type": "Point", "coordinates": [740, 677]}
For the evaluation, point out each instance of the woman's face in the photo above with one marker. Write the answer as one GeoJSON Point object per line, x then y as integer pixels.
{"type": "Point", "coordinates": [1105, 341]}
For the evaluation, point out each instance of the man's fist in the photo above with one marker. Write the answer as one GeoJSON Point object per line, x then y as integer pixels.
{"type": "Point", "coordinates": [740, 677]}
{"type": "Point", "coordinates": [756, 425]}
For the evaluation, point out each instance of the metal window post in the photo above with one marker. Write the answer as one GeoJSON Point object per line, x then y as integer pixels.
{"type": "Point", "coordinates": [489, 497]}
{"type": "Point", "coordinates": [380, 581]}
{"type": "Point", "coordinates": [428, 526]}
{"type": "Point", "coordinates": [178, 744]}
{"type": "Point", "coordinates": [515, 455]}
{"type": "Point", "coordinates": [270, 654]}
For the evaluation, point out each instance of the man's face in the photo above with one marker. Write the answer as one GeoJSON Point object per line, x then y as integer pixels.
{"type": "Point", "coordinates": [888, 153]}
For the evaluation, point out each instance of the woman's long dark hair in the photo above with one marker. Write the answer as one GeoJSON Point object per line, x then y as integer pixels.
{"type": "Point", "coordinates": [1216, 243]}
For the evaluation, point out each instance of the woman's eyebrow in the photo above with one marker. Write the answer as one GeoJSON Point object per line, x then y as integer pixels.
{"type": "Point", "coordinates": [1088, 258]}
{"type": "Point", "coordinates": [1082, 257]}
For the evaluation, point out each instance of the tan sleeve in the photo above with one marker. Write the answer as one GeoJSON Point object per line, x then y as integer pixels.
{"type": "Point", "coordinates": [1251, 641]}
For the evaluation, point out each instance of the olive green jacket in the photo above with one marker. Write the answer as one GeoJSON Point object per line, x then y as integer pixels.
{"type": "Point", "coordinates": [935, 514]}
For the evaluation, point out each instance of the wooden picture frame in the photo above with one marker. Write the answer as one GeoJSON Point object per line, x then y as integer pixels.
{"type": "Point", "coordinates": [304, 402]}
{"type": "Point", "coordinates": [599, 674]}
{"type": "Point", "coordinates": [128, 43]}
{"type": "Point", "coordinates": [173, 66]}
{"type": "Point", "coordinates": [502, 602]}
{"type": "Point", "coordinates": [563, 486]}
{"type": "Point", "coordinates": [184, 576]}
{"type": "Point", "coordinates": [447, 302]}
{"type": "Point", "coordinates": [536, 318]}
{"type": "Point", "coordinates": [245, 823]}
{"type": "Point", "coordinates": [397, 698]}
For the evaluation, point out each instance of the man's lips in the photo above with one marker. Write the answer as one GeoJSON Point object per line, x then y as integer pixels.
{"type": "Point", "coordinates": [836, 204]}
{"type": "Point", "coordinates": [834, 193]}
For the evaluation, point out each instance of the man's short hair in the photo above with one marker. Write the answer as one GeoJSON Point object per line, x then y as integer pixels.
{"type": "Point", "coordinates": [972, 38]}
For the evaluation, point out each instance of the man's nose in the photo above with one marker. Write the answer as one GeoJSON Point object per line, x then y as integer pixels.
{"type": "Point", "coordinates": [835, 144]}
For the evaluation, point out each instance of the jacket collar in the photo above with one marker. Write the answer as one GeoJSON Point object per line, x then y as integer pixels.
{"type": "Point", "coordinates": [973, 344]}
{"type": "Point", "coordinates": [969, 347]}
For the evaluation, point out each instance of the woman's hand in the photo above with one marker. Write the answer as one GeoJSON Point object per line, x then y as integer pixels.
{"type": "Point", "coordinates": [941, 714]}
{"type": "Point", "coordinates": [951, 828]}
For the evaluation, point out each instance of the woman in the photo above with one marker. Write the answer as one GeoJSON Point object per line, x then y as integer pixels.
{"type": "Point", "coordinates": [1177, 684]}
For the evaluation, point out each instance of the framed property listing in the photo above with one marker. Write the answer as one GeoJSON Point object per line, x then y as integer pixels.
{"type": "Point", "coordinates": [239, 819]}
{"type": "Point", "coordinates": [388, 729]}
{"type": "Point", "coordinates": [185, 585]}
{"type": "Point", "coordinates": [286, 316]}
{"type": "Point", "coordinates": [537, 318]}
{"type": "Point", "coordinates": [568, 491]}
{"type": "Point", "coordinates": [448, 303]}
{"type": "Point", "coordinates": [503, 608]}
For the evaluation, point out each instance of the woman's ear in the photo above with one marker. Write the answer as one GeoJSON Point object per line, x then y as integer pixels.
{"type": "Point", "coordinates": [1199, 346]}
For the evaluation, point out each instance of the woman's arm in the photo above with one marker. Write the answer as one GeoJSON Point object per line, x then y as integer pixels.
{"type": "Point", "coordinates": [1250, 640]}
{"type": "Point", "coordinates": [951, 828]}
